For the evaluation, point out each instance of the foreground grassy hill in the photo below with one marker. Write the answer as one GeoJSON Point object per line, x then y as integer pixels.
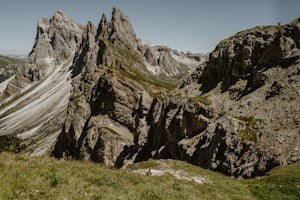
{"type": "Point", "coordinates": [23, 177]}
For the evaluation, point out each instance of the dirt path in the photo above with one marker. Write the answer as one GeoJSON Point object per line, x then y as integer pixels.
{"type": "Point", "coordinates": [164, 169]}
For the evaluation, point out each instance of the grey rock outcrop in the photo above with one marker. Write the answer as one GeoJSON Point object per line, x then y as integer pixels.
{"type": "Point", "coordinates": [254, 74]}
{"type": "Point", "coordinates": [99, 121]}
{"type": "Point", "coordinates": [56, 41]}
{"type": "Point", "coordinates": [249, 53]}
{"type": "Point", "coordinates": [220, 148]}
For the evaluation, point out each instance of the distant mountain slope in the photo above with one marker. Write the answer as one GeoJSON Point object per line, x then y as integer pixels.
{"type": "Point", "coordinates": [8, 67]}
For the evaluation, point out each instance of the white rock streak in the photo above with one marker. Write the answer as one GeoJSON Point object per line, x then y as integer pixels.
{"type": "Point", "coordinates": [165, 169]}
{"type": "Point", "coordinates": [38, 107]}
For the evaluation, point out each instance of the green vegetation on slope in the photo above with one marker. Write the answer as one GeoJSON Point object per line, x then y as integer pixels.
{"type": "Point", "coordinates": [147, 80]}
{"type": "Point", "coordinates": [281, 183]}
{"type": "Point", "coordinates": [23, 177]}
{"type": "Point", "coordinates": [203, 99]}
{"type": "Point", "coordinates": [8, 67]}
{"type": "Point", "coordinates": [128, 68]}
{"type": "Point", "coordinates": [251, 132]}
{"type": "Point", "coordinates": [10, 143]}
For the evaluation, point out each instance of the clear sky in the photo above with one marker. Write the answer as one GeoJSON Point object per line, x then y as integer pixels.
{"type": "Point", "coordinates": [186, 25]}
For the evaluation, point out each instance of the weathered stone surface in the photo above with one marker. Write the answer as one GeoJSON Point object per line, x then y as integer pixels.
{"type": "Point", "coordinates": [255, 74]}
{"type": "Point", "coordinates": [57, 39]}
{"type": "Point", "coordinates": [248, 54]}
{"type": "Point", "coordinates": [219, 148]}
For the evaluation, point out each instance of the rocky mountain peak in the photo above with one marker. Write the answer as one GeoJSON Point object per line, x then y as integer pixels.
{"type": "Point", "coordinates": [103, 25]}
{"type": "Point", "coordinates": [295, 22]}
{"type": "Point", "coordinates": [90, 28]}
{"type": "Point", "coordinates": [117, 15]}
{"type": "Point", "coordinates": [57, 39]}
{"type": "Point", "coordinates": [159, 60]}
{"type": "Point", "coordinates": [122, 31]}
{"type": "Point", "coordinates": [60, 16]}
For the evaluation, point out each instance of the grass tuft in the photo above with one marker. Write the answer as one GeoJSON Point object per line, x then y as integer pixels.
{"type": "Point", "coordinates": [53, 179]}
{"type": "Point", "coordinates": [251, 132]}
{"type": "Point", "coordinates": [112, 131]}
{"type": "Point", "coordinates": [247, 134]}
{"type": "Point", "coordinates": [202, 99]}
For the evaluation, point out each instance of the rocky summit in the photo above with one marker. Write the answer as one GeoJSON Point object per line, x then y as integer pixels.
{"type": "Point", "coordinates": [103, 94]}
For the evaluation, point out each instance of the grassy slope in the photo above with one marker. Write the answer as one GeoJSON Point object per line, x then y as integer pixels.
{"type": "Point", "coordinates": [22, 177]}
{"type": "Point", "coordinates": [281, 183]}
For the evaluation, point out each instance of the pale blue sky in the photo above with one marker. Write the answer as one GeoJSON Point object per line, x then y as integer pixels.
{"type": "Point", "coordinates": [186, 25]}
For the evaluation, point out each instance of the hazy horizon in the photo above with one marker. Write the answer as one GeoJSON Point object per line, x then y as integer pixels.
{"type": "Point", "coordinates": [195, 26]}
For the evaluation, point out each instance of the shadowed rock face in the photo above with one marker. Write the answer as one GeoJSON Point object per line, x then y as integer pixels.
{"type": "Point", "coordinates": [109, 97]}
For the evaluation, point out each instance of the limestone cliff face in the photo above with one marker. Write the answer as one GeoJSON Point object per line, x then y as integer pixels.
{"type": "Point", "coordinates": [180, 129]}
{"type": "Point", "coordinates": [254, 76]}
{"type": "Point", "coordinates": [249, 53]}
{"type": "Point", "coordinates": [56, 41]}
{"type": "Point", "coordinates": [99, 121]}
{"type": "Point", "coordinates": [163, 61]}
{"type": "Point", "coordinates": [113, 117]}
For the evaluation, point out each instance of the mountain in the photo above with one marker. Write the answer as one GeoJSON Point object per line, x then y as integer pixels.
{"type": "Point", "coordinates": [104, 95]}
{"type": "Point", "coordinates": [34, 102]}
